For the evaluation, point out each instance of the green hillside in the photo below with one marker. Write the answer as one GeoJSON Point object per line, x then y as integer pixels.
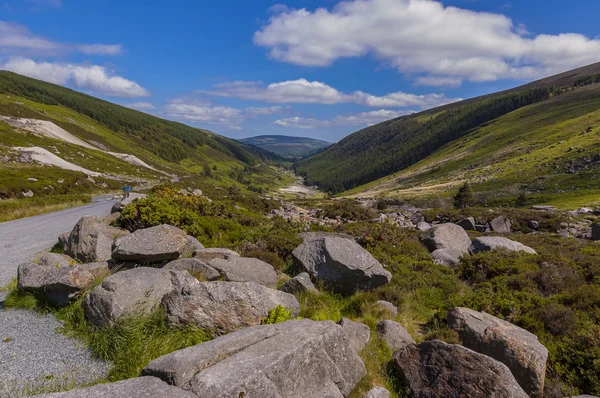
{"type": "Point", "coordinates": [395, 145]}
{"type": "Point", "coordinates": [286, 146]}
{"type": "Point", "coordinates": [170, 149]}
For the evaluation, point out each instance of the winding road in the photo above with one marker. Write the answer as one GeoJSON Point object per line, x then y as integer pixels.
{"type": "Point", "coordinates": [33, 356]}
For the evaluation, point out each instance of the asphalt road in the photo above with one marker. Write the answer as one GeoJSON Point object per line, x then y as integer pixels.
{"type": "Point", "coordinates": [34, 357]}
{"type": "Point", "coordinates": [21, 239]}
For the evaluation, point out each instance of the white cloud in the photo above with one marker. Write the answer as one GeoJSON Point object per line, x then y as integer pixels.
{"type": "Point", "coordinates": [438, 81]}
{"type": "Point", "coordinates": [16, 39]}
{"type": "Point", "coordinates": [91, 77]}
{"type": "Point", "coordinates": [141, 106]}
{"type": "Point", "coordinates": [314, 92]}
{"type": "Point", "coordinates": [423, 36]}
{"type": "Point", "coordinates": [354, 119]}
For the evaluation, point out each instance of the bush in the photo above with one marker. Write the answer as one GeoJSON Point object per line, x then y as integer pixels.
{"type": "Point", "coordinates": [277, 315]}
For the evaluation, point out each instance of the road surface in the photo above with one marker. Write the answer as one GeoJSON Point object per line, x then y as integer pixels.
{"type": "Point", "coordinates": [21, 239]}
{"type": "Point", "coordinates": [33, 355]}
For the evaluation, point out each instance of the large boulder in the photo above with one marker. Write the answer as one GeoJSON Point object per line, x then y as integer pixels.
{"type": "Point", "coordinates": [214, 252]}
{"type": "Point", "coordinates": [500, 225]}
{"type": "Point", "coordinates": [468, 224]}
{"type": "Point", "coordinates": [301, 283]}
{"type": "Point", "coordinates": [137, 291]}
{"type": "Point", "coordinates": [342, 264]}
{"type": "Point", "coordinates": [434, 369]}
{"type": "Point", "coordinates": [245, 269]}
{"type": "Point", "coordinates": [151, 245]}
{"type": "Point", "coordinates": [394, 335]}
{"type": "Point", "coordinates": [56, 260]}
{"type": "Point", "coordinates": [60, 284]}
{"type": "Point", "coordinates": [139, 387]}
{"type": "Point", "coordinates": [357, 333]}
{"type": "Point", "coordinates": [447, 256]}
{"type": "Point", "coordinates": [222, 307]}
{"type": "Point", "coordinates": [446, 236]}
{"type": "Point", "coordinates": [192, 245]}
{"type": "Point", "coordinates": [515, 347]}
{"type": "Point", "coordinates": [488, 243]}
{"type": "Point", "coordinates": [194, 266]}
{"type": "Point", "coordinates": [300, 358]}
{"type": "Point", "coordinates": [89, 241]}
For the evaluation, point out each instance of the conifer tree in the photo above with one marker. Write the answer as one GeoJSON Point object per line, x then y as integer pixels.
{"type": "Point", "coordinates": [464, 197]}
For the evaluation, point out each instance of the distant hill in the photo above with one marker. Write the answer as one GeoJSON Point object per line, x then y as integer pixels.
{"type": "Point", "coordinates": [286, 146]}
{"type": "Point", "coordinates": [502, 142]}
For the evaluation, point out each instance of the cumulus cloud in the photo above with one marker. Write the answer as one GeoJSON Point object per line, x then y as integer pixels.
{"type": "Point", "coordinates": [16, 39]}
{"type": "Point", "coordinates": [314, 92]}
{"type": "Point", "coordinates": [191, 110]}
{"type": "Point", "coordinates": [95, 78]}
{"type": "Point", "coordinates": [141, 106]}
{"type": "Point", "coordinates": [423, 38]}
{"type": "Point", "coordinates": [353, 119]}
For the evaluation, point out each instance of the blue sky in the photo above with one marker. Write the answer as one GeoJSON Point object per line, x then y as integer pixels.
{"type": "Point", "coordinates": [321, 69]}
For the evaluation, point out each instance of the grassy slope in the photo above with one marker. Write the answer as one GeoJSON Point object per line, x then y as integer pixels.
{"type": "Point", "coordinates": [531, 148]}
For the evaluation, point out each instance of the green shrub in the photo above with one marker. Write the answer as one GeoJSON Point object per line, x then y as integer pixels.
{"type": "Point", "coordinates": [277, 315]}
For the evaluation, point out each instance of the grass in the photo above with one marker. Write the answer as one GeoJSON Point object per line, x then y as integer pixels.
{"type": "Point", "coordinates": [12, 209]}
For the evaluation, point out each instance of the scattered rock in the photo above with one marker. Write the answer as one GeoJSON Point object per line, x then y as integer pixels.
{"type": "Point", "coordinates": [154, 244]}
{"type": "Point", "coordinates": [63, 241]}
{"type": "Point", "coordinates": [533, 224]}
{"type": "Point", "coordinates": [394, 335]}
{"type": "Point", "coordinates": [120, 205]}
{"type": "Point", "coordinates": [223, 307]}
{"type": "Point", "coordinates": [60, 284]}
{"type": "Point", "coordinates": [261, 361]}
{"type": "Point", "coordinates": [388, 307]}
{"type": "Point", "coordinates": [488, 243]}
{"type": "Point", "coordinates": [56, 260]}
{"type": "Point", "coordinates": [434, 369]}
{"type": "Point", "coordinates": [32, 179]}
{"type": "Point", "coordinates": [194, 265]}
{"type": "Point", "coordinates": [357, 333]}
{"type": "Point", "coordinates": [595, 231]}
{"type": "Point", "coordinates": [423, 226]}
{"type": "Point", "coordinates": [377, 392]}
{"type": "Point", "coordinates": [342, 264]}
{"type": "Point", "coordinates": [108, 220]}
{"type": "Point", "coordinates": [97, 269]}
{"type": "Point", "coordinates": [244, 269]}
{"type": "Point", "coordinates": [137, 291]}
{"type": "Point", "coordinates": [89, 241]}
{"type": "Point", "coordinates": [299, 284]}
{"type": "Point", "coordinates": [27, 193]}
{"type": "Point", "coordinates": [447, 256]}
{"type": "Point", "coordinates": [139, 387]}
{"type": "Point", "coordinates": [500, 225]}
{"type": "Point", "coordinates": [213, 252]}
{"type": "Point", "coordinates": [446, 236]}
{"type": "Point", "coordinates": [543, 208]}
{"type": "Point", "coordinates": [468, 224]}
{"type": "Point", "coordinates": [563, 225]}
{"type": "Point", "coordinates": [197, 192]}
{"type": "Point", "coordinates": [515, 347]}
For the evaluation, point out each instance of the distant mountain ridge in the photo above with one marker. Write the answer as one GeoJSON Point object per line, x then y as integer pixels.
{"type": "Point", "coordinates": [287, 146]}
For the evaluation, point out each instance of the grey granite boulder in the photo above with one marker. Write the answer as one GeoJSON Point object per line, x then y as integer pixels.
{"type": "Point", "coordinates": [500, 225]}
{"type": "Point", "coordinates": [357, 333]}
{"type": "Point", "coordinates": [137, 291]}
{"type": "Point", "coordinates": [195, 266]}
{"type": "Point", "coordinates": [468, 224]}
{"type": "Point", "coordinates": [389, 307]}
{"type": "Point", "coordinates": [154, 244]}
{"type": "Point", "coordinates": [488, 243]}
{"type": "Point", "coordinates": [434, 369]}
{"type": "Point", "coordinates": [245, 269]}
{"type": "Point", "coordinates": [98, 269]}
{"type": "Point", "coordinates": [515, 347]}
{"type": "Point", "coordinates": [222, 307]}
{"type": "Point", "coordinates": [342, 264]}
{"type": "Point", "coordinates": [192, 245]}
{"type": "Point", "coordinates": [394, 335]}
{"type": "Point", "coordinates": [300, 358]}
{"type": "Point", "coordinates": [301, 283]}
{"type": "Point", "coordinates": [63, 241]}
{"type": "Point", "coordinates": [56, 260]}
{"type": "Point", "coordinates": [89, 241]}
{"type": "Point", "coordinates": [208, 254]}
{"type": "Point", "coordinates": [60, 284]}
{"type": "Point", "coordinates": [423, 226]}
{"type": "Point", "coordinates": [446, 236]}
{"type": "Point", "coordinates": [447, 256]}
{"type": "Point", "coordinates": [377, 392]}
{"type": "Point", "coordinates": [139, 387]}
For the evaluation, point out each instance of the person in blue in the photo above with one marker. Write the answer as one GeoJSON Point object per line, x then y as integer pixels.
{"type": "Point", "coordinates": [126, 190]}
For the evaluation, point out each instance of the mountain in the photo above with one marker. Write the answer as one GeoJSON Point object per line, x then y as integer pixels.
{"type": "Point", "coordinates": [97, 145]}
{"type": "Point", "coordinates": [287, 147]}
{"type": "Point", "coordinates": [538, 137]}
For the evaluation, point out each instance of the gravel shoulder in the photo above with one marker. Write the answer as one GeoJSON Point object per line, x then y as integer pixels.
{"type": "Point", "coordinates": [33, 355]}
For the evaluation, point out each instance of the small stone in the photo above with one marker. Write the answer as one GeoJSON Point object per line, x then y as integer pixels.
{"type": "Point", "coordinates": [386, 305]}
{"type": "Point", "coordinates": [394, 335]}
{"type": "Point", "coordinates": [299, 284]}
{"type": "Point", "coordinates": [377, 392]}
{"type": "Point", "coordinates": [358, 333]}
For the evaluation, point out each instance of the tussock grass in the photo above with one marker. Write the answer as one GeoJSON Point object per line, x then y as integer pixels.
{"type": "Point", "coordinates": [12, 209]}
